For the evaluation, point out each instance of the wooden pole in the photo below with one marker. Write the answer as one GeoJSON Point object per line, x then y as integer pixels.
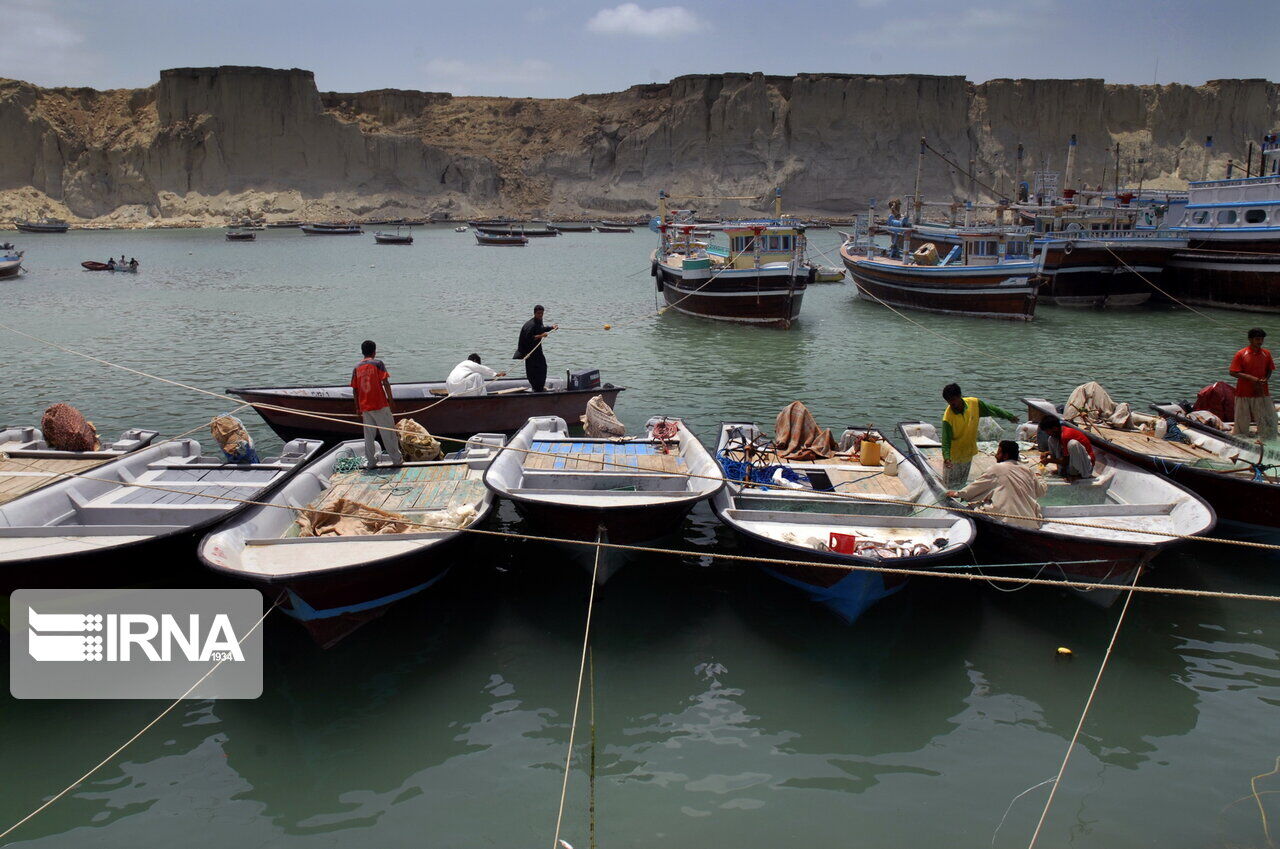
{"type": "Point", "coordinates": [919, 167]}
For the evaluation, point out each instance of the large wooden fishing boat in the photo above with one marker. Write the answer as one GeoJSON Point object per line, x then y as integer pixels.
{"type": "Point", "coordinates": [500, 239]}
{"type": "Point", "coordinates": [977, 276]}
{"type": "Point", "coordinates": [333, 583]}
{"type": "Point", "coordinates": [1100, 529]}
{"type": "Point", "coordinates": [760, 278]}
{"type": "Point", "coordinates": [44, 225]}
{"type": "Point", "coordinates": [634, 490]}
{"type": "Point", "coordinates": [1232, 229]}
{"type": "Point", "coordinates": [517, 230]}
{"type": "Point", "coordinates": [508, 404]}
{"type": "Point", "coordinates": [131, 515]}
{"type": "Point", "coordinates": [876, 511]}
{"type": "Point", "coordinates": [330, 229]}
{"type": "Point", "coordinates": [27, 463]}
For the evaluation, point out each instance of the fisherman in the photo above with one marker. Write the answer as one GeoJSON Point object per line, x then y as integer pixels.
{"type": "Point", "coordinates": [1252, 367]}
{"type": "Point", "coordinates": [111, 263]}
{"type": "Point", "coordinates": [960, 433]}
{"type": "Point", "coordinates": [529, 349]}
{"type": "Point", "coordinates": [469, 376]}
{"type": "Point", "coordinates": [133, 262]}
{"type": "Point", "coordinates": [371, 391]}
{"type": "Point", "coordinates": [1068, 447]}
{"type": "Point", "coordinates": [1007, 487]}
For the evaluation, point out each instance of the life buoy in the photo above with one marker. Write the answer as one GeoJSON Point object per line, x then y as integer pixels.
{"type": "Point", "coordinates": [1068, 248]}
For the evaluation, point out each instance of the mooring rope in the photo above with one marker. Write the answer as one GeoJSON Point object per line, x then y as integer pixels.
{"type": "Point", "coordinates": [1093, 691]}
{"type": "Point", "coordinates": [577, 698]}
{"type": "Point", "coordinates": [127, 743]}
{"type": "Point", "coordinates": [1144, 279]}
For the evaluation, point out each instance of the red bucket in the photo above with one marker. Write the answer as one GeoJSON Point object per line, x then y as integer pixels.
{"type": "Point", "coordinates": [843, 543]}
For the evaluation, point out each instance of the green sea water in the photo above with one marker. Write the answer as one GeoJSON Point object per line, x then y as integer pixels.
{"type": "Point", "coordinates": [729, 710]}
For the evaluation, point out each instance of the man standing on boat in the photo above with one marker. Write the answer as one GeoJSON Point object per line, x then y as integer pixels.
{"type": "Point", "coordinates": [469, 377]}
{"type": "Point", "coordinates": [529, 349]}
{"type": "Point", "coordinates": [1252, 367]}
{"type": "Point", "coordinates": [1007, 487]}
{"type": "Point", "coordinates": [371, 390]}
{"type": "Point", "coordinates": [1069, 448]}
{"type": "Point", "coordinates": [960, 433]}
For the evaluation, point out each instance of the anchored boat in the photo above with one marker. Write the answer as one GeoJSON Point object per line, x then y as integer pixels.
{"type": "Point", "coordinates": [1100, 529]}
{"type": "Point", "coordinates": [396, 238]}
{"type": "Point", "coordinates": [321, 229]}
{"type": "Point", "coordinates": [834, 513]}
{"type": "Point", "coordinates": [133, 514]}
{"type": "Point", "coordinates": [44, 225]}
{"type": "Point", "coordinates": [241, 236]}
{"type": "Point", "coordinates": [500, 240]}
{"type": "Point", "coordinates": [506, 406]}
{"type": "Point", "coordinates": [333, 574]}
{"type": "Point", "coordinates": [634, 489]}
{"type": "Point", "coordinates": [10, 261]}
{"type": "Point", "coordinates": [27, 463]}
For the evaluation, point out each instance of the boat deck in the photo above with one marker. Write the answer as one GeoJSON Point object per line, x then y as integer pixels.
{"type": "Point", "coordinates": [408, 489]}
{"type": "Point", "coordinates": [1174, 452]}
{"type": "Point", "coordinates": [618, 457]}
{"type": "Point", "coordinates": [848, 476]}
{"type": "Point", "coordinates": [20, 475]}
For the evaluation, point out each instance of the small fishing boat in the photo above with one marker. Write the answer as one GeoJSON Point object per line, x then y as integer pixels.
{"type": "Point", "coordinates": [760, 278]}
{"type": "Point", "coordinates": [1233, 474]}
{"type": "Point", "coordinates": [10, 261]}
{"type": "Point", "coordinates": [635, 490]}
{"type": "Point", "coordinates": [460, 229]}
{"type": "Point", "coordinates": [320, 229]}
{"type": "Point", "coordinates": [112, 265]}
{"type": "Point", "coordinates": [397, 222]}
{"type": "Point", "coordinates": [1097, 529]}
{"type": "Point", "coordinates": [44, 225]}
{"type": "Point", "coordinates": [604, 228]}
{"type": "Point", "coordinates": [496, 239]}
{"type": "Point", "coordinates": [135, 513]}
{"type": "Point", "coordinates": [27, 463]}
{"type": "Point", "coordinates": [396, 238]}
{"type": "Point", "coordinates": [977, 277]}
{"type": "Point", "coordinates": [332, 575]}
{"type": "Point", "coordinates": [833, 513]}
{"type": "Point", "coordinates": [534, 232]}
{"type": "Point", "coordinates": [240, 236]}
{"type": "Point", "coordinates": [287, 223]}
{"type": "Point", "coordinates": [506, 406]}
{"type": "Point", "coordinates": [570, 226]}
{"type": "Point", "coordinates": [827, 273]}
{"type": "Point", "coordinates": [619, 225]}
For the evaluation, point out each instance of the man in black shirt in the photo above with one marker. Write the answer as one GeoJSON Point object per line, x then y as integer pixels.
{"type": "Point", "coordinates": [529, 349]}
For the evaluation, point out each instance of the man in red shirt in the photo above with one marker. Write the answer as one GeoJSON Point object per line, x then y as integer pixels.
{"type": "Point", "coordinates": [1069, 448]}
{"type": "Point", "coordinates": [371, 391]}
{"type": "Point", "coordinates": [1251, 367]}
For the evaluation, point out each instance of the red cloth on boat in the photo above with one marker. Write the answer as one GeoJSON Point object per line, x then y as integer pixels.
{"type": "Point", "coordinates": [1218, 398]}
{"type": "Point", "coordinates": [798, 437]}
{"type": "Point", "coordinates": [66, 429]}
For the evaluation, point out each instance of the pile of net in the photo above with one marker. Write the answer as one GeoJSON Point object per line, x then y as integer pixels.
{"type": "Point", "coordinates": [798, 437]}
{"type": "Point", "coordinates": [416, 443]}
{"type": "Point", "coordinates": [236, 443]}
{"type": "Point", "coordinates": [599, 420]}
{"type": "Point", "coordinates": [362, 520]}
{"type": "Point", "coordinates": [66, 429]}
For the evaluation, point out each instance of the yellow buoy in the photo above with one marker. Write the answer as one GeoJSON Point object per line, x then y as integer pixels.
{"type": "Point", "coordinates": [608, 327]}
{"type": "Point", "coordinates": [1063, 651]}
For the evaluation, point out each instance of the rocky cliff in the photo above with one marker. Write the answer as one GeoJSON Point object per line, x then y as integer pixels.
{"type": "Point", "coordinates": [204, 143]}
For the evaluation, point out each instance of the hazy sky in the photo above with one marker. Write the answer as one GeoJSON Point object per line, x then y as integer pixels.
{"type": "Point", "coordinates": [555, 48]}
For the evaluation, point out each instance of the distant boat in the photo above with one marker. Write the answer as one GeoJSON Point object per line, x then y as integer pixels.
{"type": "Point", "coordinates": [279, 225]}
{"type": "Point", "coordinates": [122, 267]}
{"type": "Point", "coordinates": [612, 228]}
{"type": "Point", "coordinates": [623, 224]}
{"type": "Point", "coordinates": [397, 221]}
{"type": "Point", "coordinates": [320, 229]}
{"type": "Point", "coordinates": [247, 224]}
{"type": "Point", "coordinates": [570, 226]}
{"type": "Point", "coordinates": [240, 236]}
{"type": "Point", "coordinates": [827, 274]}
{"type": "Point", "coordinates": [500, 239]}
{"type": "Point", "coordinates": [10, 260]}
{"type": "Point", "coordinates": [516, 231]}
{"type": "Point", "coordinates": [44, 225]}
{"type": "Point", "coordinates": [393, 238]}
{"type": "Point", "coordinates": [462, 229]}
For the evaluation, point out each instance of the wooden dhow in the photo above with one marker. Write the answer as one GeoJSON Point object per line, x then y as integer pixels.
{"type": "Point", "coordinates": [875, 509]}
{"type": "Point", "coordinates": [1100, 529]}
{"type": "Point", "coordinates": [330, 229]}
{"type": "Point", "coordinates": [44, 225]}
{"type": "Point", "coordinates": [333, 583]}
{"type": "Point", "coordinates": [310, 411]}
{"type": "Point", "coordinates": [500, 239]}
{"type": "Point", "coordinates": [131, 515]}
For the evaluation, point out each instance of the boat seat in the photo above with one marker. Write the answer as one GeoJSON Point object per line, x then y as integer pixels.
{"type": "Point", "coordinates": [603, 481]}
{"type": "Point", "coordinates": [1083, 511]}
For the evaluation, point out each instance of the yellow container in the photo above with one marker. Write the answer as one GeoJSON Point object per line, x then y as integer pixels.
{"type": "Point", "coordinates": [870, 453]}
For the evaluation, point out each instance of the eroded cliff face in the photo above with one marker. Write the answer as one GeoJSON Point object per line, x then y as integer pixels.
{"type": "Point", "coordinates": [204, 143]}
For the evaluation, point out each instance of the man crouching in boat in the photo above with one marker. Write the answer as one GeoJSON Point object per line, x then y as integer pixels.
{"type": "Point", "coordinates": [1069, 448]}
{"type": "Point", "coordinates": [469, 377]}
{"type": "Point", "coordinates": [1008, 488]}
{"type": "Point", "coordinates": [960, 433]}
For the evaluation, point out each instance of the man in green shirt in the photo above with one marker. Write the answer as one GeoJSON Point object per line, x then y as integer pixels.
{"type": "Point", "coordinates": [960, 433]}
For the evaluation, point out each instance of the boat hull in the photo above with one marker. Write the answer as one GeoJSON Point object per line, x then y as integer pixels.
{"type": "Point", "coordinates": [623, 525]}
{"type": "Point", "coordinates": [751, 298]}
{"type": "Point", "coordinates": [979, 291]}
{"type": "Point", "coordinates": [457, 416]}
{"type": "Point", "coordinates": [1243, 281]}
{"type": "Point", "coordinates": [1103, 275]}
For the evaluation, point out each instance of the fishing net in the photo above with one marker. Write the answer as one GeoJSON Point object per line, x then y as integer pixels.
{"type": "Point", "coordinates": [236, 443]}
{"type": "Point", "coordinates": [599, 421]}
{"type": "Point", "coordinates": [416, 443]}
{"type": "Point", "coordinates": [66, 429]}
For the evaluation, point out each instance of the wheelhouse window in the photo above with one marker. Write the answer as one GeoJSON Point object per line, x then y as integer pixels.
{"type": "Point", "coordinates": [744, 244]}
{"type": "Point", "coordinates": [1200, 217]}
{"type": "Point", "coordinates": [1017, 249]}
{"type": "Point", "coordinates": [1227, 216]}
{"type": "Point", "coordinates": [1255, 216]}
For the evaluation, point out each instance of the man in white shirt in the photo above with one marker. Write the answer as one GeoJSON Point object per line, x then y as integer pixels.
{"type": "Point", "coordinates": [1007, 488]}
{"type": "Point", "coordinates": [468, 377]}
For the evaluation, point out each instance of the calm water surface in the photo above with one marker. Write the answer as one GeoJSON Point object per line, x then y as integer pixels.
{"type": "Point", "coordinates": [729, 711]}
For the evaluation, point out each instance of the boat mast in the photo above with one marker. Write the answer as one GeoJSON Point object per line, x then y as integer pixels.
{"type": "Point", "coordinates": [1115, 212]}
{"type": "Point", "coordinates": [1071, 163]}
{"type": "Point", "coordinates": [919, 167]}
{"type": "Point", "coordinates": [777, 204]}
